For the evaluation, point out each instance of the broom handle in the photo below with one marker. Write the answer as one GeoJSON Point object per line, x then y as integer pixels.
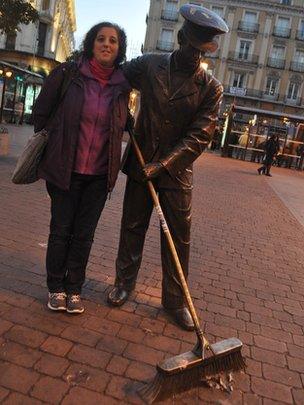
{"type": "Point", "coordinates": [204, 342]}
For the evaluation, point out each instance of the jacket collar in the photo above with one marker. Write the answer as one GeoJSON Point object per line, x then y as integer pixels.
{"type": "Point", "coordinates": [189, 86]}
{"type": "Point", "coordinates": [117, 78]}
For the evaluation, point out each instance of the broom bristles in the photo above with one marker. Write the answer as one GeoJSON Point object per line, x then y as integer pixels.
{"type": "Point", "coordinates": [165, 385]}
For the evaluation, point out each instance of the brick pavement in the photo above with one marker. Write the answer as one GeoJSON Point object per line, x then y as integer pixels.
{"type": "Point", "coordinates": [246, 277]}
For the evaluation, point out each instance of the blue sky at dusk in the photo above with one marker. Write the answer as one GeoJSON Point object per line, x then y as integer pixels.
{"type": "Point", "coordinates": [129, 14]}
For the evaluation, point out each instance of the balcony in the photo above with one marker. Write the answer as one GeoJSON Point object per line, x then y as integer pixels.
{"type": "Point", "coordinates": [276, 63]}
{"type": "Point", "coordinates": [281, 32]}
{"type": "Point", "coordinates": [169, 15]}
{"type": "Point", "coordinates": [246, 58]}
{"type": "Point", "coordinates": [297, 66]}
{"type": "Point", "coordinates": [300, 35]}
{"type": "Point", "coordinates": [293, 101]}
{"type": "Point", "coordinates": [251, 93]}
{"type": "Point", "coordinates": [165, 46]}
{"type": "Point", "coordinates": [246, 26]}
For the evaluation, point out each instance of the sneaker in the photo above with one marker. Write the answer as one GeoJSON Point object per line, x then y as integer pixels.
{"type": "Point", "coordinates": [74, 304]}
{"type": "Point", "coordinates": [57, 301]}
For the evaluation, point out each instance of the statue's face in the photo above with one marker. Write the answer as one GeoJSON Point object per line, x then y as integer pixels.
{"type": "Point", "coordinates": [188, 51]}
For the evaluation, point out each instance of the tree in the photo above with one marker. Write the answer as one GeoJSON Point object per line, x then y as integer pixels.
{"type": "Point", "coordinates": [15, 12]}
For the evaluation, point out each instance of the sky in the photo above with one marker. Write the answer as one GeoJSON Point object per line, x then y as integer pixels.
{"type": "Point", "coordinates": [129, 14]}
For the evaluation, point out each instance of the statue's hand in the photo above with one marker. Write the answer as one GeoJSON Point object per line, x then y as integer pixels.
{"type": "Point", "coordinates": [153, 170]}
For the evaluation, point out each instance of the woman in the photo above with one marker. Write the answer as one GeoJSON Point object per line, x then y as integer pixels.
{"type": "Point", "coordinates": [271, 148]}
{"type": "Point", "coordinates": [82, 157]}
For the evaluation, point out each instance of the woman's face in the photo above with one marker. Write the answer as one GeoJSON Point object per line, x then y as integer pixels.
{"type": "Point", "coordinates": [106, 46]}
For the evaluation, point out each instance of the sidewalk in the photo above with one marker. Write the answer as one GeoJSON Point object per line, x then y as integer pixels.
{"type": "Point", "coordinates": [246, 277]}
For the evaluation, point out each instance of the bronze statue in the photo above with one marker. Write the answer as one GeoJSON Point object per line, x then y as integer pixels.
{"type": "Point", "coordinates": [177, 119]}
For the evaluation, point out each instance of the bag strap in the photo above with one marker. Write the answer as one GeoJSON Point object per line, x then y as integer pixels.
{"type": "Point", "coordinates": [68, 72]}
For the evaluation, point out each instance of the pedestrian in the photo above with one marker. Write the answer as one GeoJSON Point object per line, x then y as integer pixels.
{"type": "Point", "coordinates": [177, 118]}
{"type": "Point", "coordinates": [271, 148]}
{"type": "Point", "coordinates": [300, 153]}
{"type": "Point", "coordinates": [82, 157]}
{"type": "Point", "coordinates": [243, 142]}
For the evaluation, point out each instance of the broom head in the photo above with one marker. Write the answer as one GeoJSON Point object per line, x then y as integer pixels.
{"type": "Point", "coordinates": [187, 370]}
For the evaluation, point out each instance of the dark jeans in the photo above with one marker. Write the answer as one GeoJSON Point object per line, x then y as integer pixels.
{"type": "Point", "coordinates": [74, 217]}
{"type": "Point", "coordinates": [137, 210]}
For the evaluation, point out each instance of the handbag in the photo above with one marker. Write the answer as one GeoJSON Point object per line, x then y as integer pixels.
{"type": "Point", "coordinates": [26, 170]}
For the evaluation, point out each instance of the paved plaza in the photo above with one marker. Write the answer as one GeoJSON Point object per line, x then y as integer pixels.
{"type": "Point", "coordinates": [246, 277]}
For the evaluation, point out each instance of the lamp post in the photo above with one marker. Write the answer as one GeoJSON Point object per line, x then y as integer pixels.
{"type": "Point", "coordinates": [6, 74]}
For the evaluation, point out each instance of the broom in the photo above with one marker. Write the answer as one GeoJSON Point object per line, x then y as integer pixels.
{"type": "Point", "coordinates": [185, 371]}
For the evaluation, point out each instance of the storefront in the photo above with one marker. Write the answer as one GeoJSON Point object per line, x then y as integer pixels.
{"type": "Point", "coordinates": [246, 130]}
{"type": "Point", "coordinates": [19, 89]}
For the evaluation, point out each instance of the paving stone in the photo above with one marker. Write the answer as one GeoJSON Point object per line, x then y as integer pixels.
{"type": "Point", "coordinates": [50, 390]}
{"type": "Point", "coordinates": [19, 399]}
{"type": "Point", "coordinates": [56, 345]}
{"type": "Point", "coordinates": [81, 335]}
{"type": "Point", "coordinates": [53, 366]}
{"type": "Point", "coordinates": [19, 354]}
{"type": "Point", "coordinates": [282, 375]}
{"type": "Point", "coordinates": [17, 378]}
{"type": "Point", "coordinates": [87, 377]}
{"type": "Point", "coordinates": [90, 356]}
{"type": "Point", "coordinates": [3, 394]}
{"type": "Point", "coordinates": [118, 365]}
{"type": "Point", "coordinates": [272, 390]}
{"type": "Point", "coordinates": [80, 396]}
{"type": "Point", "coordinates": [26, 336]}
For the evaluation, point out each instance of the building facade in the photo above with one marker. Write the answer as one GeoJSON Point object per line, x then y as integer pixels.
{"type": "Point", "coordinates": [36, 48]}
{"type": "Point", "coordinates": [260, 61]}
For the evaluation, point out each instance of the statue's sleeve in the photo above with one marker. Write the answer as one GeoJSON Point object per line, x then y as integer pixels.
{"type": "Point", "coordinates": [135, 71]}
{"type": "Point", "coordinates": [198, 134]}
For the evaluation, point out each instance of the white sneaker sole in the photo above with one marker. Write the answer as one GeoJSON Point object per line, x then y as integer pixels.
{"type": "Point", "coordinates": [75, 311]}
{"type": "Point", "coordinates": [56, 309]}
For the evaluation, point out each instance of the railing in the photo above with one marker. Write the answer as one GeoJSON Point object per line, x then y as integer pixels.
{"type": "Point", "coordinates": [262, 95]}
{"type": "Point", "coordinates": [247, 58]}
{"type": "Point", "coordinates": [165, 46]}
{"type": "Point", "coordinates": [293, 101]}
{"type": "Point", "coordinates": [247, 26]}
{"type": "Point", "coordinates": [171, 15]}
{"type": "Point", "coordinates": [300, 35]}
{"type": "Point", "coordinates": [281, 32]}
{"type": "Point", "coordinates": [297, 66]}
{"type": "Point", "coordinates": [276, 63]}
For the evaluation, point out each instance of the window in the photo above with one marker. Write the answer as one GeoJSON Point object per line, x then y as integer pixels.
{"type": "Point", "coordinates": [244, 51]}
{"type": "Point", "coordinates": [218, 10]}
{"type": "Point", "coordinates": [45, 5]}
{"type": "Point", "coordinates": [301, 30]}
{"type": "Point", "coordinates": [250, 17]}
{"type": "Point", "coordinates": [293, 91]}
{"type": "Point", "coordinates": [42, 31]}
{"type": "Point", "coordinates": [278, 52]}
{"type": "Point", "coordinates": [283, 22]}
{"type": "Point", "coordinates": [272, 86]}
{"type": "Point", "coordinates": [287, 2]}
{"type": "Point", "coordinates": [10, 41]}
{"type": "Point", "coordinates": [282, 27]}
{"type": "Point", "coordinates": [170, 11]}
{"type": "Point", "coordinates": [299, 56]}
{"type": "Point", "coordinates": [166, 40]}
{"type": "Point", "coordinates": [239, 80]}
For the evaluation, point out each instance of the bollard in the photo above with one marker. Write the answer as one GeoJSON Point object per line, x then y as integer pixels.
{"type": "Point", "coordinates": [4, 141]}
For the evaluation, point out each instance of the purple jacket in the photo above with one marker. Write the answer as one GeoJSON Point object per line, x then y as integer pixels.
{"type": "Point", "coordinates": [58, 161]}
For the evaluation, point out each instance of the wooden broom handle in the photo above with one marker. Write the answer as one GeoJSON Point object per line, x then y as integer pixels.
{"type": "Point", "coordinates": [165, 228]}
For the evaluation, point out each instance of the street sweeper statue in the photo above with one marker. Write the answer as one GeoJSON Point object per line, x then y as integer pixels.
{"type": "Point", "coordinates": [177, 118]}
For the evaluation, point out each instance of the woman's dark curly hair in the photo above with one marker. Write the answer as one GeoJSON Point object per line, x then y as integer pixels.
{"type": "Point", "coordinates": [88, 43]}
